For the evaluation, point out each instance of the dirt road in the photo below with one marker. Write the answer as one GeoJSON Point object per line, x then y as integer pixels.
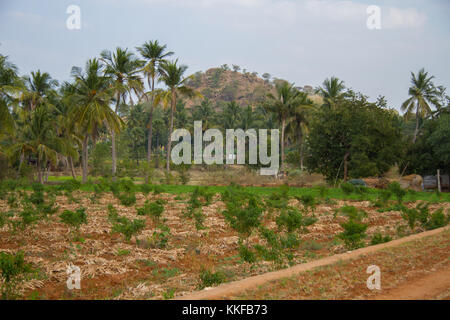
{"type": "Point", "coordinates": [434, 285]}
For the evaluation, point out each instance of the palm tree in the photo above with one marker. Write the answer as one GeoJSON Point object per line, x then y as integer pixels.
{"type": "Point", "coordinates": [286, 100]}
{"type": "Point", "coordinates": [332, 91]}
{"type": "Point", "coordinates": [155, 54]}
{"type": "Point", "coordinates": [422, 93]}
{"type": "Point", "coordinates": [205, 113]}
{"type": "Point", "coordinates": [300, 121]}
{"type": "Point", "coordinates": [10, 84]}
{"type": "Point", "coordinates": [40, 87]}
{"type": "Point", "coordinates": [38, 139]}
{"type": "Point", "coordinates": [231, 115]}
{"type": "Point", "coordinates": [123, 68]}
{"type": "Point", "coordinates": [172, 75]}
{"type": "Point", "coordinates": [93, 94]}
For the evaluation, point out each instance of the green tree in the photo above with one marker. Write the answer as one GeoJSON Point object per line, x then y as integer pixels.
{"type": "Point", "coordinates": [123, 68]}
{"type": "Point", "coordinates": [173, 77]}
{"type": "Point", "coordinates": [286, 100]}
{"type": "Point", "coordinates": [154, 54]}
{"type": "Point", "coordinates": [355, 140]}
{"type": "Point", "coordinates": [422, 94]}
{"type": "Point", "coordinates": [92, 95]}
{"type": "Point", "coordinates": [332, 90]}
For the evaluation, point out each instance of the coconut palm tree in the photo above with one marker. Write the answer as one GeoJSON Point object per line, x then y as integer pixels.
{"type": "Point", "coordinates": [38, 138]}
{"type": "Point", "coordinates": [92, 95]}
{"type": "Point", "coordinates": [40, 87]}
{"type": "Point", "coordinates": [286, 100]}
{"type": "Point", "coordinates": [231, 115]}
{"type": "Point", "coordinates": [332, 91]}
{"type": "Point", "coordinates": [300, 120]}
{"type": "Point", "coordinates": [10, 84]}
{"type": "Point", "coordinates": [422, 94]}
{"type": "Point", "coordinates": [172, 75]}
{"type": "Point", "coordinates": [204, 112]}
{"type": "Point", "coordinates": [154, 54]}
{"type": "Point", "coordinates": [123, 68]}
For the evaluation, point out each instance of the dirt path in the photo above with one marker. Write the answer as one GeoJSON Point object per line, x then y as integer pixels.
{"type": "Point", "coordinates": [434, 285]}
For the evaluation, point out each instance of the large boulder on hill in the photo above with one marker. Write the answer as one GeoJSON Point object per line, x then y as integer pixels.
{"type": "Point", "coordinates": [413, 181]}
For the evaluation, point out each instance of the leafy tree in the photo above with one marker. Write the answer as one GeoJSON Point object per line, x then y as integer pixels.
{"type": "Point", "coordinates": [356, 139]}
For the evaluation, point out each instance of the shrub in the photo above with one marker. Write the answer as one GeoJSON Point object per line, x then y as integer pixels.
{"type": "Point", "coordinates": [210, 279]}
{"type": "Point", "coordinates": [127, 227]}
{"type": "Point", "coordinates": [127, 199]}
{"type": "Point", "coordinates": [347, 188]}
{"type": "Point", "coordinates": [160, 238]}
{"type": "Point", "coordinates": [74, 219]}
{"type": "Point", "coordinates": [378, 238]}
{"type": "Point", "coordinates": [291, 219]}
{"type": "Point", "coordinates": [152, 209]}
{"type": "Point", "coordinates": [112, 213]}
{"type": "Point", "coordinates": [353, 235]}
{"type": "Point", "coordinates": [243, 217]}
{"type": "Point", "coordinates": [13, 270]}
{"type": "Point", "coordinates": [307, 200]}
{"type": "Point", "coordinates": [397, 191]}
{"type": "Point", "coordinates": [246, 254]}
{"type": "Point", "coordinates": [353, 213]}
{"type": "Point", "coordinates": [146, 188]}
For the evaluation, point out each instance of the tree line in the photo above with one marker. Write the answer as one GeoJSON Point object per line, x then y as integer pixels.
{"type": "Point", "coordinates": [112, 109]}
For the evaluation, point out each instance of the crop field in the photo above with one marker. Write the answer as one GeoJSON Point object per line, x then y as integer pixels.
{"type": "Point", "coordinates": [162, 242]}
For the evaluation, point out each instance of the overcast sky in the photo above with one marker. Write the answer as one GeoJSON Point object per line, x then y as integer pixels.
{"type": "Point", "coordinates": [300, 41]}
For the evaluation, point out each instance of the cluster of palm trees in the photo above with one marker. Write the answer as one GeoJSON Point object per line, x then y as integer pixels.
{"type": "Point", "coordinates": [42, 121]}
{"type": "Point", "coordinates": [55, 121]}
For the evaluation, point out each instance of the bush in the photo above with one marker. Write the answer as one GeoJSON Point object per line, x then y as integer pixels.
{"type": "Point", "coordinates": [353, 235]}
{"type": "Point", "coordinates": [291, 219]}
{"type": "Point", "coordinates": [152, 209]}
{"type": "Point", "coordinates": [210, 279]}
{"type": "Point", "coordinates": [347, 188]}
{"type": "Point", "coordinates": [13, 271]}
{"type": "Point", "coordinates": [127, 227]}
{"type": "Point", "coordinates": [378, 238]}
{"type": "Point", "coordinates": [397, 191]}
{"type": "Point", "coordinates": [74, 219]}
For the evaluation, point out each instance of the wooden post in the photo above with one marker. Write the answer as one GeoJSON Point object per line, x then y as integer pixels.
{"type": "Point", "coordinates": [439, 180]}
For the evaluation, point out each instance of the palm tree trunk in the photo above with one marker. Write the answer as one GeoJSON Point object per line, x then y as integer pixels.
{"type": "Point", "coordinates": [150, 130]}
{"type": "Point", "coordinates": [38, 164]}
{"type": "Point", "coordinates": [84, 155]}
{"type": "Point", "coordinates": [345, 165]}
{"type": "Point", "coordinates": [150, 125]}
{"type": "Point", "coordinates": [283, 125]}
{"type": "Point", "coordinates": [113, 144]}
{"type": "Point", "coordinates": [416, 131]}
{"type": "Point", "coordinates": [72, 169]}
{"type": "Point", "coordinates": [300, 143]}
{"type": "Point", "coordinates": [169, 142]}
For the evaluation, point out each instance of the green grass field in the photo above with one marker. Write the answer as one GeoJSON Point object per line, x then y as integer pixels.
{"type": "Point", "coordinates": [332, 193]}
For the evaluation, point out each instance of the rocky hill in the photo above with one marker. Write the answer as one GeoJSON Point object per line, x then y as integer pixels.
{"type": "Point", "coordinates": [221, 85]}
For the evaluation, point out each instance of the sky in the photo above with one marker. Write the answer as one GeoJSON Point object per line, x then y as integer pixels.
{"type": "Point", "coordinates": [301, 41]}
